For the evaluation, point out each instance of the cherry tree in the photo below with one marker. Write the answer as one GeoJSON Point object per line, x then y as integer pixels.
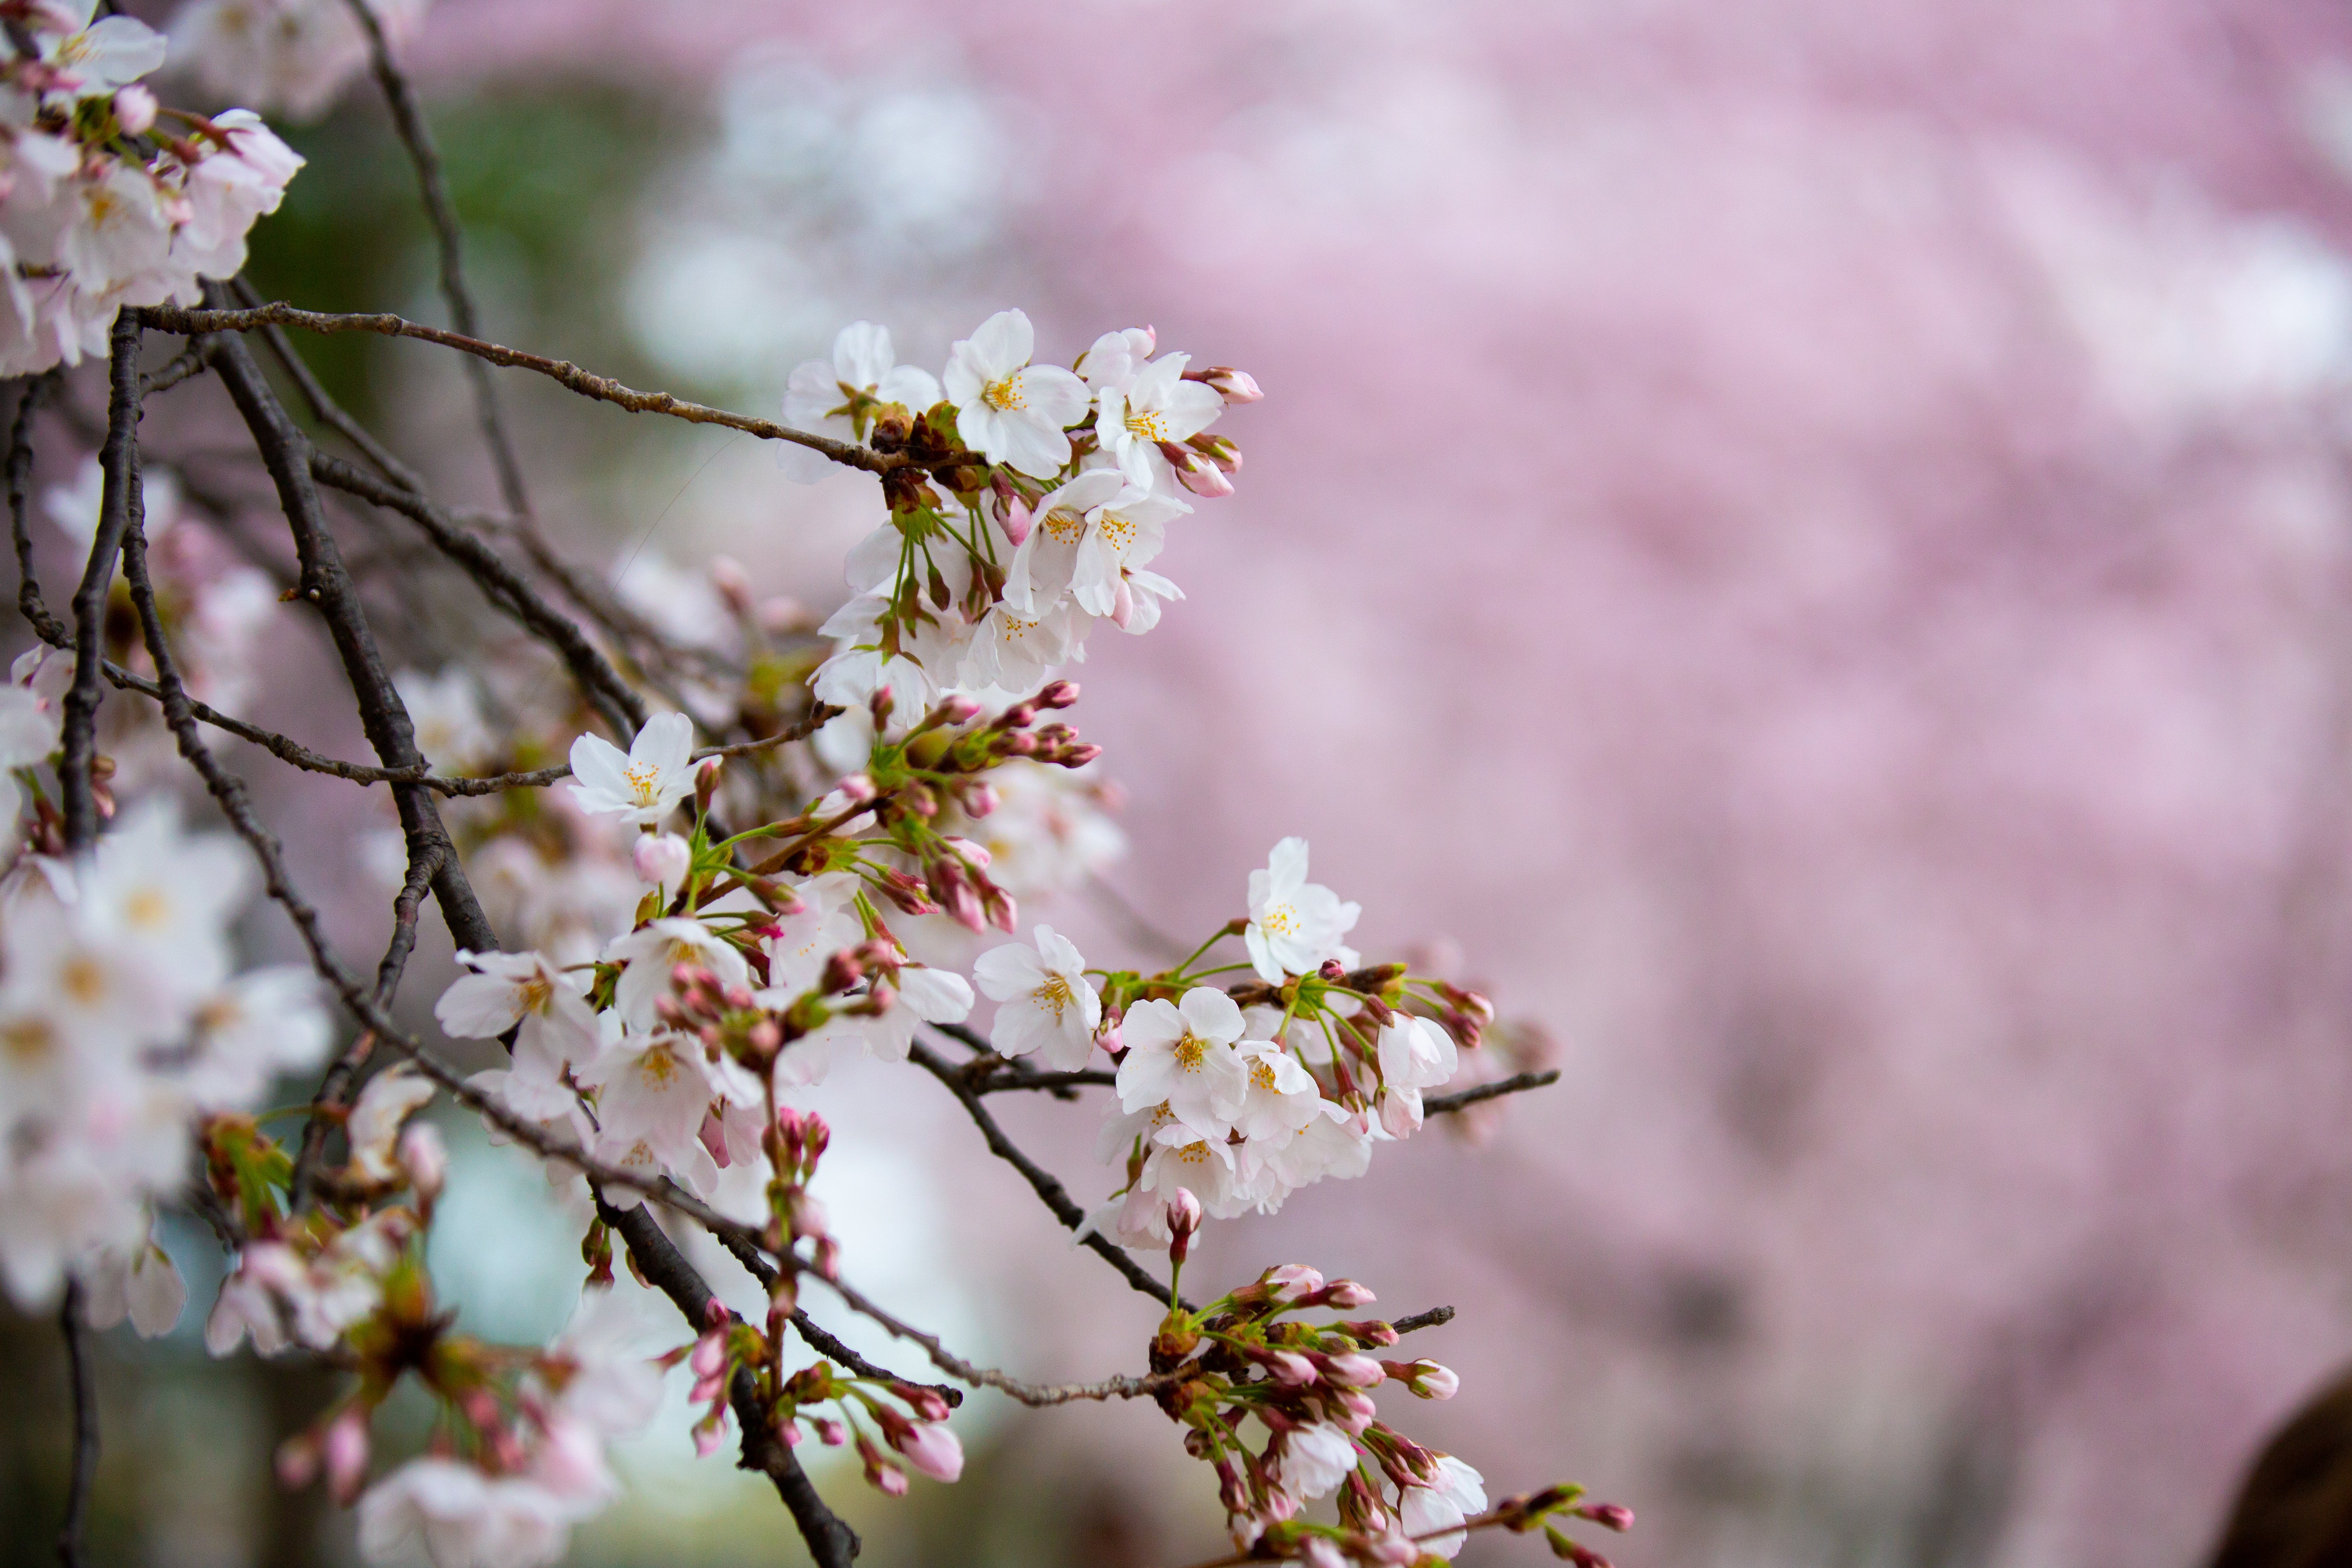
{"type": "Point", "coordinates": [756, 869]}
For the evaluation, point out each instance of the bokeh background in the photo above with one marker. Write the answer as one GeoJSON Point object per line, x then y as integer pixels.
{"type": "Point", "coordinates": [1809, 541]}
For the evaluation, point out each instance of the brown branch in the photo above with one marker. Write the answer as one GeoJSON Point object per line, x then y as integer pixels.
{"type": "Point", "coordinates": [1047, 1186]}
{"type": "Point", "coordinates": [20, 474]}
{"type": "Point", "coordinates": [1518, 1083]}
{"type": "Point", "coordinates": [832, 1543]}
{"type": "Point", "coordinates": [70, 1545]}
{"type": "Point", "coordinates": [1031, 1393]}
{"type": "Point", "coordinates": [324, 408]}
{"type": "Point", "coordinates": [587, 383]}
{"type": "Point", "coordinates": [326, 585]}
{"type": "Point", "coordinates": [598, 680]}
{"type": "Point", "coordinates": [115, 459]}
{"type": "Point", "coordinates": [1436, 1317]}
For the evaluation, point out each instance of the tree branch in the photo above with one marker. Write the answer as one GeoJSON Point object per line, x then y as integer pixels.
{"type": "Point", "coordinates": [831, 1541]}
{"type": "Point", "coordinates": [598, 682]}
{"type": "Point", "coordinates": [1518, 1083]}
{"type": "Point", "coordinates": [115, 459]}
{"type": "Point", "coordinates": [324, 583]}
{"type": "Point", "coordinates": [71, 1550]}
{"type": "Point", "coordinates": [174, 319]}
{"type": "Point", "coordinates": [1047, 1186]}
{"type": "Point", "coordinates": [20, 474]}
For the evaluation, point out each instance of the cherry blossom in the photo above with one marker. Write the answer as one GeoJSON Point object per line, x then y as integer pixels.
{"type": "Point", "coordinates": [1295, 924]}
{"type": "Point", "coordinates": [833, 397]}
{"type": "Point", "coordinates": [1046, 1002]}
{"type": "Point", "coordinates": [505, 989]}
{"type": "Point", "coordinates": [643, 784]}
{"type": "Point", "coordinates": [464, 1518]}
{"type": "Point", "coordinates": [1010, 410]}
{"type": "Point", "coordinates": [1182, 1055]}
{"type": "Point", "coordinates": [1458, 1492]}
{"type": "Point", "coordinates": [1158, 405]}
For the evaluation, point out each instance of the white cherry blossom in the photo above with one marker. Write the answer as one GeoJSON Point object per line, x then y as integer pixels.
{"type": "Point", "coordinates": [1295, 924]}
{"type": "Point", "coordinates": [505, 989]}
{"type": "Point", "coordinates": [1044, 1002]}
{"type": "Point", "coordinates": [1157, 405]}
{"type": "Point", "coordinates": [657, 947]}
{"type": "Point", "coordinates": [817, 397]}
{"type": "Point", "coordinates": [1008, 410]}
{"type": "Point", "coordinates": [643, 785]}
{"type": "Point", "coordinates": [1315, 1459]}
{"type": "Point", "coordinates": [142, 1284]}
{"type": "Point", "coordinates": [463, 1518]}
{"type": "Point", "coordinates": [1183, 1054]}
{"type": "Point", "coordinates": [1423, 1510]}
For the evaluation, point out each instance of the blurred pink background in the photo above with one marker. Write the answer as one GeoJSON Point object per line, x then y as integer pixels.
{"type": "Point", "coordinates": [1811, 540]}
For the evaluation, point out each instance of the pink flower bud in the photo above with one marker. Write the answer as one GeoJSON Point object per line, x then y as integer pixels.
{"type": "Point", "coordinates": [706, 781]}
{"type": "Point", "coordinates": [842, 972]}
{"type": "Point", "coordinates": [1057, 694]}
{"type": "Point", "coordinates": [661, 859]}
{"type": "Point", "coordinates": [957, 710]}
{"type": "Point", "coordinates": [1232, 385]}
{"type": "Point", "coordinates": [709, 1431]}
{"type": "Point", "coordinates": [1079, 755]}
{"type": "Point", "coordinates": [1316, 1551]}
{"type": "Point", "coordinates": [1290, 1369]}
{"type": "Point", "coordinates": [880, 1473]}
{"type": "Point", "coordinates": [424, 1159]}
{"type": "Point", "coordinates": [709, 1353]}
{"type": "Point", "coordinates": [857, 788]}
{"type": "Point", "coordinates": [930, 1448]}
{"type": "Point", "coordinates": [1183, 1220]}
{"type": "Point", "coordinates": [926, 1402]}
{"type": "Point", "coordinates": [346, 1453]}
{"type": "Point", "coordinates": [734, 584]}
{"type": "Point", "coordinates": [1013, 516]}
{"type": "Point", "coordinates": [298, 1461]}
{"type": "Point", "coordinates": [134, 109]}
{"type": "Point", "coordinates": [1355, 1410]}
{"type": "Point", "coordinates": [1353, 1370]}
{"type": "Point", "coordinates": [980, 800]}
{"type": "Point", "coordinates": [1292, 1280]}
{"type": "Point", "coordinates": [1614, 1515]}
{"type": "Point", "coordinates": [829, 1432]}
{"type": "Point", "coordinates": [1425, 1378]}
{"type": "Point", "coordinates": [974, 855]}
{"type": "Point", "coordinates": [1343, 1294]}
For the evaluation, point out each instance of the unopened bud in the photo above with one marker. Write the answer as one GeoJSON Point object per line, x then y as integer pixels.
{"type": "Point", "coordinates": [1614, 1515]}
{"type": "Point", "coordinates": [1342, 1294]}
{"type": "Point", "coordinates": [345, 1450]}
{"type": "Point", "coordinates": [134, 110]}
{"type": "Point", "coordinates": [661, 858]}
{"type": "Point", "coordinates": [957, 710]}
{"type": "Point", "coordinates": [1218, 450]}
{"type": "Point", "coordinates": [1183, 1220]}
{"type": "Point", "coordinates": [842, 972]}
{"type": "Point", "coordinates": [857, 788]}
{"type": "Point", "coordinates": [424, 1159]}
{"type": "Point", "coordinates": [980, 800]}
{"type": "Point", "coordinates": [734, 584]}
{"type": "Point", "coordinates": [706, 781]}
{"type": "Point", "coordinates": [298, 1461]}
{"type": "Point", "coordinates": [1057, 694]}
{"type": "Point", "coordinates": [1232, 385]}
{"type": "Point", "coordinates": [1427, 1379]}
{"type": "Point", "coordinates": [1353, 1371]}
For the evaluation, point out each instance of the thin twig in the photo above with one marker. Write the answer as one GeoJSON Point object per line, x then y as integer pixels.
{"type": "Point", "coordinates": [70, 1546]}
{"type": "Point", "coordinates": [115, 459]}
{"type": "Point", "coordinates": [1436, 1317]}
{"type": "Point", "coordinates": [587, 383]}
{"type": "Point", "coordinates": [598, 682]}
{"type": "Point", "coordinates": [1030, 1394]}
{"type": "Point", "coordinates": [831, 1541]}
{"type": "Point", "coordinates": [20, 475]}
{"type": "Point", "coordinates": [1047, 1186]}
{"type": "Point", "coordinates": [324, 408]}
{"type": "Point", "coordinates": [1518, 1083]}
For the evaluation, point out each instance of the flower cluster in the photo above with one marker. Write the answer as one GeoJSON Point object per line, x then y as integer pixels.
{"type": "Point", "coordinates": [289, 55]}
{"type": "Point", "coordinates": [1239, 1097]}
{"type": "Point", "coordinates": [122, 1020]}
{"type": "Point", "coordinates": [517, 1455]}
{"type": "Point", "coordinates": [106, 198]}
{"type": "Point", "coordinates": [1282, 1410]}
{"type": "Point", "coordinates": [1036, 498]}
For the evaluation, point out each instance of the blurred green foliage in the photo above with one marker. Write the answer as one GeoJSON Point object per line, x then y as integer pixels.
{"type": "Point", "coordinates": [545, 178]}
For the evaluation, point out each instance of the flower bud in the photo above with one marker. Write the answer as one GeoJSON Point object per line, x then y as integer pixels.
{"type": "Point", "coordinates": [1183, 1220]}
{"type": "Point", "coordinates": [1232, 385]}
{"type": "Point", "coordinates": [880, 1473]}
{"type": "Point", "coordinates": [345, 1450]}
{"type": "Point", "coordinates": [1292, 1281]}
{"type": "Point", "coordinates": [930, 1448]}
{"type": "Point", "coordinates": [424, 1159]}
{"type": "Point", "coordinates": [1370, 1331]}
{"type": "Point", "coordinates": [1616, 1516]}
{"type": "Point", "coordinates": [1057, 694]}
{"type": "Point", "coordinates": [1079, 755]}
{"type": "Point", "coordinates": [709, 1431]}
{"type": "Point", "coordinates": [1289, 1368]}
{"type": "Point", "coordinates": [857, 789]}
{"type": "Point", "coordinates": [957, 710]}
{"type": "Point", "coordinates": [928, 1404]}
{"type": "Point", "coordinates": [1218, 450]}
{"type": "Point", "coordinates": [829, 1432]}
{"type": "Point", "coordinates": [706, 781]}
{"type": "Point", "coordinates": [661, 858]}
{"type": "Point", "coordinates": [134, 109]}
{"type": "Point", "coordinates": [1353, 1370]}
{"type": "Point", "coordinates": [842, 972]}
{"type": "Point", "coordinates": [298, 1461]}
{"type": "Point", "coordinates": [1343, 1294]}
{"type": "Point", "coordinates": [980, 800]}
{"type": "Point", "coordinates": [1427, 1379]}
{"type": "Point", "coordinates": [734, 584]}
{"type": "Point", "coordinates": [709, 1353]}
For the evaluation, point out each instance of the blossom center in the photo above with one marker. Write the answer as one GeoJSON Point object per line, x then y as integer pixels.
{"type": "Point", "coordinates": [659, 1068]}
{"type": "Point", "coordinates": [536, 993]}
{"type": "Point", "coordinates": [1280, 920]}
{"type": "Point", "coordinates": [1194, 1153]}
{"type": "Point", "coordinates": [1063, 525]}
{"type": "Point", "coordinates": [1145, 425]}
{"type": "Point", "coordinates": [1261, 1074]}
{"type": "Point", "coordinates": [28, 1039]}
{"type": "Point", "coordinates": [83, 980]}
{"type": "Point", "coordinates": [1116, 532]}
{"type": "Point", "coordinates": [1190, 1052]}
{"type": "Point", "coordinates": [1054, 995]}
{"type": "Point", "coordinates": [1005, 396]}
{"type": "Point", "coordinates": [644, 782]}
{"type": "Point", "coordinates": [147, 908]}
